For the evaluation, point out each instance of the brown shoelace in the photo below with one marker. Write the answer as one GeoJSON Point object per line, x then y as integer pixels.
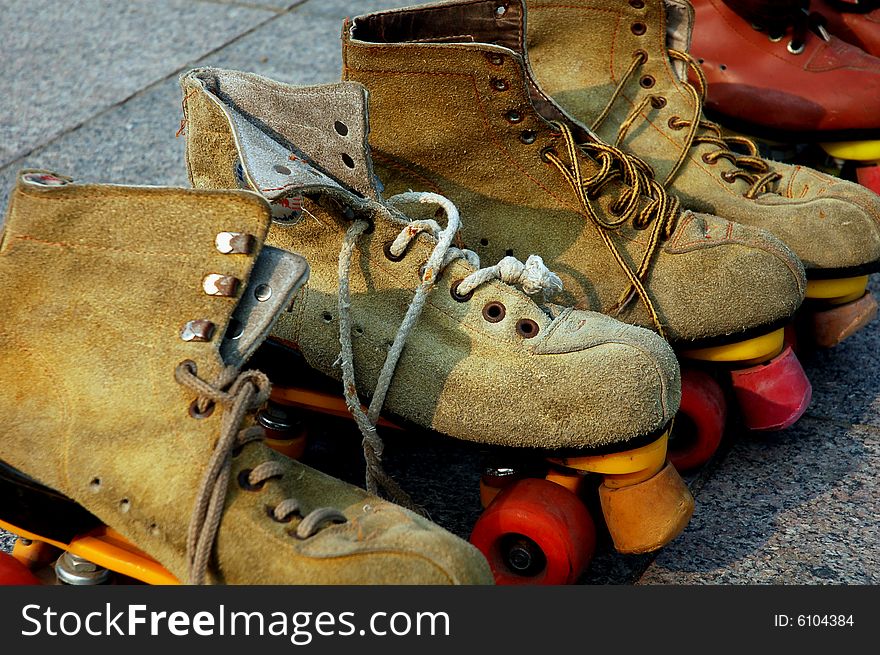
{"type": "Point", "coordinates": [641, 200]}
{"type": "Point", "coordinates": [238, 394]}
{"type": "Point", "coordinates": [750, 167]}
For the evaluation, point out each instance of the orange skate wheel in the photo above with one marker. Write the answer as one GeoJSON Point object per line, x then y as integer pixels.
{"type": "Point", "coordinates": [13, 572]}
{"type": "Point", "coordinates": [699, 424]}
{"type": "Point", "coordinates": [536, 532]}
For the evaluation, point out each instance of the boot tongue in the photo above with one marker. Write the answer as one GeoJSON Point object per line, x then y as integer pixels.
{"type": "Point", "coordinates": [275, 279]}
{"type": "Point", "coordinates": [288, 136]}
{"type": "Point", "coordinates": [679, 29]}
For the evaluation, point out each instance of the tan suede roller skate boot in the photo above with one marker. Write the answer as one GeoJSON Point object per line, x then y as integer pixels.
{"type": "Point", "coordinates": [128, 437]}
{"type": "Point", "coordinates": [637, 96]}
{"type": "Point", "coordinates": [455, 109]}
{"type": "Point", "coordinates": [436, 341]}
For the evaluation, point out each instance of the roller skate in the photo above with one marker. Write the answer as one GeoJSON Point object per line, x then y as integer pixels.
{"type": "Point", "coordinates": [129, 448]}
{"type": "Point", "coordinates": [776, 73]}
{"type": "Point", "coordinates": [638, 97]}
{"type": "Point", "coordinates": [528, 177]}
{"type": "Point", "coordinates": [432, 341]}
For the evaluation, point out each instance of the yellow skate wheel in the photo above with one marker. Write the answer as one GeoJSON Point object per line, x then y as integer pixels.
{"type": "Point", "coordinates": [751, 351]}
{"type": "Point", "coordinates": [854, 150]}
{"type": "Point", "coordinates": [839, 291]}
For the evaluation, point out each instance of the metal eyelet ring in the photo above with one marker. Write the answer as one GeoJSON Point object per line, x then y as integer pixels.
{"type": "Point", "coordinates": [245, 483]}
{"type": "Point", "coordinates": [495, 59]}
{"type": "Point", "coordinates": [795, 50]}
{"type": "Point", "coordinates": [709, 159]}
{"type": "Point", "coordinates": [658, 102]}
{"type": "Point", "coordinates": [528, 136]}
{"type": "Point", "coordinates": [199, 415]}
{"type": "Point", "coordinates": [514, 116]}
{"type": "Point", "coordinates": [453, 291]}
{"type": "Point", "coordinates": [527, 328]}
{"type": "Point", "coordinates": [547, 151]}
{"type": "Point", "coordinates": [390, 256]}
{"type": "Point", "coordinates": [674, 124]}
{"type": "Point", "coordinates": [727, 177]}
{"type": "Point", "coordinates": [500, 85]}
{"type": "Point", "coordinates": [647, 81]}
{"type": "Point", "coordinates": [637, 4]}
{"type": "Point", "coordinates": [494, 312]}
{"type": "Point", "coordinates": [638, 28]}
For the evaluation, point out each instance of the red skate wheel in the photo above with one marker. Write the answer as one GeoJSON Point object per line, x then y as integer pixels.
{"type": "Point", "coordinates": [869, 176]}
{"type": "Point", "coordinates": [13, 572]}
{"type": "Point", "coordinates": [774, 395]}
{"type": "Point", "coordinates": [536, 532]}
{"type": "Point", "coordinates": [699, 423]}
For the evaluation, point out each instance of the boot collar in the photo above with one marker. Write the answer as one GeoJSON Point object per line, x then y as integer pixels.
{"type": "Point", "coordinates": [296, 138]}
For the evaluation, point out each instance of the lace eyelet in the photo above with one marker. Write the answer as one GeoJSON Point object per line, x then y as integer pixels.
{"type": "Point", "coordinates": [453, 290]}
{"type": "Point", "coordinates": [527, 328]}
{"type": "Point", "coordinates": [548, 151]}
{"type": "Point", "coordinates": [196, 414]}
{"type": "Point", "coordinates": [495, 59]}
{"type": "Point", "coordinates": [727, 177]}
{"type": "Point", "coordinates": [494, 312]}
{"type": "Point", "coordinates": [528, 137]}
{"type": "Point", "coordinates": [637, 4]}
{"type": "Point", "coordinates": [674, 124]}
{"type": "Point", "coordinates": [658, 102]}
{"type": "Point", "coordinates": [390, 256]}
{"type": "Point", "coordinates": [638, 28]}
{"type": "Point", "coordinates": [647, 82]}
{"type": "Point", "coordinates": [244, 481]}
{"type": "Point", "coordinates": [708, 159]}
{"type": "Point", "coordinates": [500, 85]}
{"type": "Point", "coordinates": [513, 116]}
{"type": "Point", "coordinates": [795, 50]}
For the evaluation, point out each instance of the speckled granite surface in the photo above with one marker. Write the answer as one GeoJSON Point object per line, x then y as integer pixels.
{"type": "Point", "coordinates": [102, 104]}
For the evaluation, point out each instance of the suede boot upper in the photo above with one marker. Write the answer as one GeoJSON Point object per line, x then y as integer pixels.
{"type": "Point", "coordinates": [492, 366]}
{"type": "Point", "coordinates": [455, 110]}
{"type": "Point", "coordinates": [585, 51]}
{"type": "Point", "coordinates": [116, 305]}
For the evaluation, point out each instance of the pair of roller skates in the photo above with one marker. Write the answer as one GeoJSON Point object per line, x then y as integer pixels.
{"type": "Point", "coordinates": [626, 254]}
{"type": "Point", "coordinates": [801, 76]}
{"type": "Point", "coordinates": [407, 315]}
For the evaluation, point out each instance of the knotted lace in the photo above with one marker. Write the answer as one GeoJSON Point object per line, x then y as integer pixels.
{"type": "Point", "coordinates": [641, 200]}
{"type": "Point", "coordinates": [532, 276]}
{"type": "Point", "coordinates": [750, 167]}
{"type": "Point", "coordinates": [238, 393]}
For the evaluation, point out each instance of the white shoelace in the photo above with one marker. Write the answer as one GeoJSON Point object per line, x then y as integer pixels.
{"type": "Point", "coordinates": [533, 277]}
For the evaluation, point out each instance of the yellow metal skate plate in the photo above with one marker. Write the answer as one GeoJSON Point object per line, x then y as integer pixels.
{"type": "Point", "coordinates": [320, 402]}
{"type": "Point", "coordinates": [839, 291]}
{"type": "Point", "coordinates": [110, 550]}
{"type": "Point", "coordinates": [751, 351]}
{"type": "Point", "coordinates": [649, 457]}
{"type": "Point", "coordinates": [853, 150]}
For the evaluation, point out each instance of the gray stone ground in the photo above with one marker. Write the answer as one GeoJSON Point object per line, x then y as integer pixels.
{"type": "Point", "coordinates": [89, 89]}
